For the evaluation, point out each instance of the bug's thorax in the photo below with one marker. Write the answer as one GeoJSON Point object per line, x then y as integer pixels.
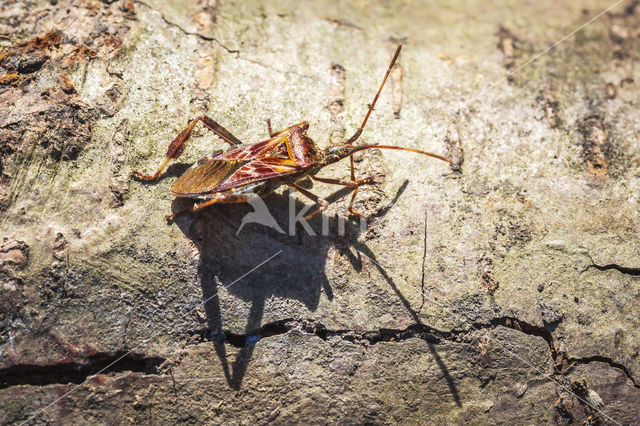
{"type": "Point", "coordinates": [303, 148]}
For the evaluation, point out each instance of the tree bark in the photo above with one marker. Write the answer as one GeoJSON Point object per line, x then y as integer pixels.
{"type": "Point", "coordinates": [501, 288]}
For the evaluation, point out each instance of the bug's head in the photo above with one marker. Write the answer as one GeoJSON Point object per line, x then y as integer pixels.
{"type": "Point", "coordinates": [337, 153]}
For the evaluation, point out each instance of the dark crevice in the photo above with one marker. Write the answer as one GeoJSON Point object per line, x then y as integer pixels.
{"type": "Point", "coordinates": [622, 269]}
{"type": "Point", "coordinates": [605, 360]}
{"type": "Point", "coordinates": [267, 330]}
{"type": "Point", "coordinates": [309, 326]}
{"type": "Point", "coordinates": [250, 338]}
{"type": "Point", "coordinates": [78, 372]}
{"type": "Point", "coordinates": [424, 261]}
{"type": "Point", "coordinates": [370, 337]}
{"type": "Point", "coordinates": [373, 337]}
{"type": "Point", "coordinates": [562, 363]}
{"type": "Point", "coordinates": [526, 328]}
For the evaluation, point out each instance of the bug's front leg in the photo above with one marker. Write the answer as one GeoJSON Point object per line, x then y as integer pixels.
{"type": "Point", "coordinates": [303, 125]}
{"type": "Point", "coordinates": [270, 129]}
{"type": "Point", "coordinates": [177, 146]}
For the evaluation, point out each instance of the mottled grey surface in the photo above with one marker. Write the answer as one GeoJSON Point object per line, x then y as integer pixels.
{"type": "Point", "coordinates": [501, 289]}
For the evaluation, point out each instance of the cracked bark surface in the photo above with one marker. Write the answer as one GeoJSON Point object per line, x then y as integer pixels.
{"type": "Point", "coordinates": [502, 289]}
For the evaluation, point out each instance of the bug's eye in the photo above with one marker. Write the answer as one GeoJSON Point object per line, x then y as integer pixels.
{"type": "Point", "coordinates": [310, 142]}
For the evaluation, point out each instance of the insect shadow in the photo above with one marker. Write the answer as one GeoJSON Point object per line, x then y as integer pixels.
{"type": "Point", "coordinates": [297, 273]}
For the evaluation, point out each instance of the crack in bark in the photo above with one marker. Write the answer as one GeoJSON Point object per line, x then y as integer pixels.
{"type": "Point", "coordinates": [562, 362]}
{"type": "Point", "coordinates": [634, 272]}
{"type": "Point", "coordinates": [78, 372]}
{"type": "Point", "coordinates": [191, 33]}
{"type": "Point", "coordinates": [219, 43]}
{"type": "Point", "coordinates": [424, 261]}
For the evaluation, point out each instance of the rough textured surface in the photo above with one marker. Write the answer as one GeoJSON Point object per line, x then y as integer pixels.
{"type": "Point", "coordinates": [501, 289]}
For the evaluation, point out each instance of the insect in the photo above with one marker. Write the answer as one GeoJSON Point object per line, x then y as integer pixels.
{"type": "Point", "coordinates": [244, 172]}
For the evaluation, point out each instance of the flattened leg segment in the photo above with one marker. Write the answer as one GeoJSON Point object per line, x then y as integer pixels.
{"type": "Point", "coordinates": [177, 146]}
{"type": "Point", "coordinates": [219, 130]}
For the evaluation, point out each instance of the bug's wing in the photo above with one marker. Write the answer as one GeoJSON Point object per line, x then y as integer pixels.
{"type": "Point", "coordinates": [205, 177]}
{"type": "Point", "coordinates": [259, 170]}
{"type": "Point", "coordinates": [237, 166]}
{"type": "Point", "coordinates": [253, 151]}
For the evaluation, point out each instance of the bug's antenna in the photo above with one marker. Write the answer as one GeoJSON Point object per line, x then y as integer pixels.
{"type": "Point", "coordinates": [357, 134]}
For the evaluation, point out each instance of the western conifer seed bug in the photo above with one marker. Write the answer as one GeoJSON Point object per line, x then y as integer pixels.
{"type": "Point", "coordinates": [244, 172]}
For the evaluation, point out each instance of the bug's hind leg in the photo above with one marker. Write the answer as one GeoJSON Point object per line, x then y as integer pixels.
{"type": "Point", "coordinates": [227, 197]}
{"type": "Point", "coordinates": [355, 184]}
{"type": "Point", "coordinates": [177, 146]}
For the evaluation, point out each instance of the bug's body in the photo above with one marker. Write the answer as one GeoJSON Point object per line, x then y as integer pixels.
{"type": "Point", "coordinates": [244, 172]}
{"type": "Point", "coordinates": [248, 164]}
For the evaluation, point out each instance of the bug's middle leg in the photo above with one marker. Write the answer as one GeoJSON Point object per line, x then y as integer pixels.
{"type": "Point", "coordinates": [324, 204]}
{"type": "Point", "coordinates": [177, 146]}
{"type": "Point", "coordinates": [355, 184]}
{"type": "Point", "coordinates": [226, 197]}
